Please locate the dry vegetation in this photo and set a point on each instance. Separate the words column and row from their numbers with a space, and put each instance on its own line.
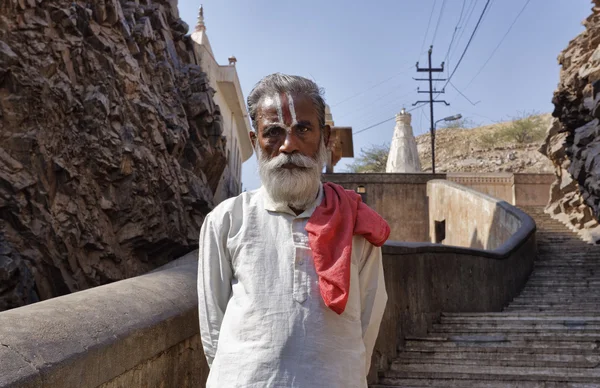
column 509, row 146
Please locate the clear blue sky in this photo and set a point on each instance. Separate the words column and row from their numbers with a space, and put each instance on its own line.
column 351, row 47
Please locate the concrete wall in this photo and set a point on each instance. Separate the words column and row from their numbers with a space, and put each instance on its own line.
column 400, row 198
column 519, row 189
column 499, row 185
column 139, row 332
column 452, row 205
column 424, row 279
column 532, row 189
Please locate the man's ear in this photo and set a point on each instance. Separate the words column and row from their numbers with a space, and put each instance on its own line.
column 253, row 138
column 326, row 134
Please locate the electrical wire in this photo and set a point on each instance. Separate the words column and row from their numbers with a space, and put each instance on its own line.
column 427, row 30
column 454, row 34
column 499, row 44
column 438, row 22
column 373, row 86
column 468, row 44
column 386, row 120
column 451, row 75
column 470, row 10
column 375, row 102
column 462, row 94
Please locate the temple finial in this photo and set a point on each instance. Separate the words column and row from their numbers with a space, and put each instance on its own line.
column 200, row 25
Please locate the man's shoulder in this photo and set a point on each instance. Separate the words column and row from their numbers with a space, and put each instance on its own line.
column 236, row 204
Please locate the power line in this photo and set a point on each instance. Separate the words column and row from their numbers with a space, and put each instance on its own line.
column 454, row 33
column 451, row 75
column 386, row 120
column 438, row 22
column 499, row 44
column 465, row 97
column 394, row 102
column 372, row 87
column 468, row 43
column 470, row 10
column 427, row 30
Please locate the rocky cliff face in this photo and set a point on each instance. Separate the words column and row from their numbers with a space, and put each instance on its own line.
column 573, row 139
column 110, row 143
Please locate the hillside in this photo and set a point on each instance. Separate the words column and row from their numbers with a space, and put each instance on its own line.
column 490, row 148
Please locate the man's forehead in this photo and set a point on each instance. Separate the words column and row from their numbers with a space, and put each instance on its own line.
column 286, row 104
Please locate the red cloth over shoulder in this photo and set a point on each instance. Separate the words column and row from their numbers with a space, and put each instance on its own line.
column 341, row 215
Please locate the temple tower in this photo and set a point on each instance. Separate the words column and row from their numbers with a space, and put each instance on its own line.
column 403, row 156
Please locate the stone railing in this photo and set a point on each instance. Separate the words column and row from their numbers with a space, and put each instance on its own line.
column 490, row 261
column 139, row 332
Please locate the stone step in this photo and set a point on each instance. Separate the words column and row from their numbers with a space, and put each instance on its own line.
column 503, row 317
column 518, row 330
column 517, row 325
column 592, row 291
column 530, row 358
column 567, row 306
column 484, row 372
column 534, row 300
column 470, row 383
column 497, row 342
column 530, row 309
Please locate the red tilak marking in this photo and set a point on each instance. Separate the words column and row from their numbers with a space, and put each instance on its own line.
column 285, row 108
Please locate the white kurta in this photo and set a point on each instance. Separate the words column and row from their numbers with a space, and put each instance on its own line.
column 263, row 322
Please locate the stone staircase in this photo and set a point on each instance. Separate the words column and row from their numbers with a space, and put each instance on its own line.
column 548, row 336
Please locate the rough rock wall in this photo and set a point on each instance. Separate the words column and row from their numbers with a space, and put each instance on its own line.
column 573, row 139
column 110, row 143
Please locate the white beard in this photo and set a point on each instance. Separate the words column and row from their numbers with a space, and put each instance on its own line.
column 296, row 188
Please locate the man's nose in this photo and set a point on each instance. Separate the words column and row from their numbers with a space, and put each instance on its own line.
column 290, row 143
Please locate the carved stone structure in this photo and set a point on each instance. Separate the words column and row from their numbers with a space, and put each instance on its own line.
column 573, row 140
column 111, row 144
column 403, row 156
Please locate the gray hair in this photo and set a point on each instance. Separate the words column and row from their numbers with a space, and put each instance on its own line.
column 282, row 83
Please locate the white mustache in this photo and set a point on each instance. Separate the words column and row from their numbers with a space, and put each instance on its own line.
column 296, row 159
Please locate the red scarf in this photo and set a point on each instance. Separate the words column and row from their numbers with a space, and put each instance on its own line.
column 341, row 215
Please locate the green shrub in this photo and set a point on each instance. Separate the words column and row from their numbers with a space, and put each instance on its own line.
column 489, row 139
column 525, row 128
column 371, row 159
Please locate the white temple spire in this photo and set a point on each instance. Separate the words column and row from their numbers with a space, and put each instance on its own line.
column 200, row 25
column 403, row 156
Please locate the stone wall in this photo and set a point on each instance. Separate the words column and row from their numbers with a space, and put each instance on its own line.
column 400, row 198
column 573, row 139
column 111, row 145
column 139, row 332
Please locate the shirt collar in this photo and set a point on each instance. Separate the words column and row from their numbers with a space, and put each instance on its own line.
column 271, row 205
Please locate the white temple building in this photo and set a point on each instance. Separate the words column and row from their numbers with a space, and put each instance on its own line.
column 230, row 99
column 403, row 156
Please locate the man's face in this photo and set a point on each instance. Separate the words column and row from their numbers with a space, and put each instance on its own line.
column 288, row 123
column 291, row 148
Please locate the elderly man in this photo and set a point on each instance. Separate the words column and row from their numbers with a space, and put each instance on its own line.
column 290, row 279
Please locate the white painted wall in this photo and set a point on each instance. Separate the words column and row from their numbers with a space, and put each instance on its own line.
column 233, row 111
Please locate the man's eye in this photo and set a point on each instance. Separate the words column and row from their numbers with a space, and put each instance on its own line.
column 272, row 132
column 302, row 129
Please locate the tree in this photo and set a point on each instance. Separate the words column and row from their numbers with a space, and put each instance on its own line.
column 524, row 128
column 371, row 159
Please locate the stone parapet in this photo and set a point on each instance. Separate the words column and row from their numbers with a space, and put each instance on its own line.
column 139, row 332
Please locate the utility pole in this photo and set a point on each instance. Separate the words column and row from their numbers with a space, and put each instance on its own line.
column 431, row 70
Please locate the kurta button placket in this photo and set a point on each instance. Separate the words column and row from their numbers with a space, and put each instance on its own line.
column 301, row 252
